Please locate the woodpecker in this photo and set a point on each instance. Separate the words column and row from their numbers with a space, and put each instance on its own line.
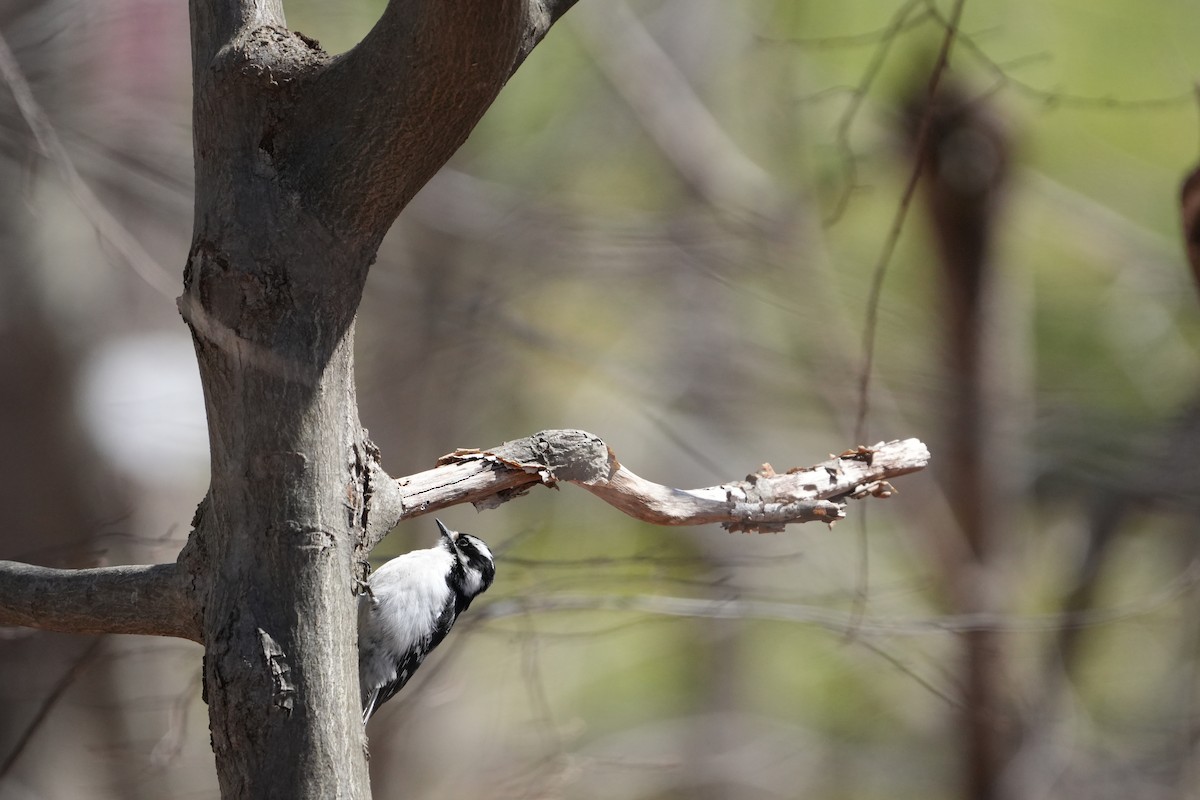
column 410, row 605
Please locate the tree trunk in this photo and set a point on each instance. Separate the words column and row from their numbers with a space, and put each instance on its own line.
column 302, row 164
column 278, row 533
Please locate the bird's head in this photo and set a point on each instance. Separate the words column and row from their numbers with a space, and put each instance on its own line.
column 475, row 568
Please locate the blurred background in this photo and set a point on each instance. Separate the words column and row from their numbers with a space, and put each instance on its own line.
column 683, row 227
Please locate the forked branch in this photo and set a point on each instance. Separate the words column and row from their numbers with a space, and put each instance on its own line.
column 361, row 162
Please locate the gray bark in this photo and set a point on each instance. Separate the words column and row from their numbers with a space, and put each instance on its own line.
column 302, row 163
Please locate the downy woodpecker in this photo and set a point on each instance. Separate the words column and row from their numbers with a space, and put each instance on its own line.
column 411, row 603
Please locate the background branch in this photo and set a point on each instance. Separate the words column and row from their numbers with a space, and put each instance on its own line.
column 48, row 703
column 144, row 599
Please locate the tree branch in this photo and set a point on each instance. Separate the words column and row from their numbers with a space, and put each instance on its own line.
column 764, row 501
column 154, row 600
column 353, row 137
column 363, row 141
column 145, row 599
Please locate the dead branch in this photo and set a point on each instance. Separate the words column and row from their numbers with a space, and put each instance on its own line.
column 155, row 599
column 764, row 501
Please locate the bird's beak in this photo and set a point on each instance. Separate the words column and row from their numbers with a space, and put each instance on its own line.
column 446, row 532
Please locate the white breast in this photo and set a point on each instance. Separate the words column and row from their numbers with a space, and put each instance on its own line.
column 410, row 592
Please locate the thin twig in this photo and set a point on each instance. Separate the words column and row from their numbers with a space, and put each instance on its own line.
column 876, row 290
column 858, row 96
column 840, row 621
column 1053, row 98
column 851, row 40
column 168, row 748
column 49, row 702
column 925, row 683
column 535, row 688
column 893, row 238
column 107, row 226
